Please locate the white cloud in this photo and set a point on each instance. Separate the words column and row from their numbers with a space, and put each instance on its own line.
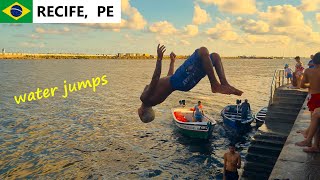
column 191, row 30
column 282, row 16
column 234, row 6
column 32, row 45
column 162, row 28
column 133, row 19
column 222, row 30
column 200, row 16
column 288, row 20
column 252, row 26
column 310, row 5
column 52, row 31
column 185, row 42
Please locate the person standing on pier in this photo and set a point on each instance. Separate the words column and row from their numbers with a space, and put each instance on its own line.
column 311, row 81
column 299, row 71
column 288, row 73
column 232, row 162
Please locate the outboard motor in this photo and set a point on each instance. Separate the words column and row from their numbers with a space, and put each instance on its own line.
column 182, row 103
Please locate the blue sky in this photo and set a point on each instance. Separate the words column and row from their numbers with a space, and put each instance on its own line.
column 229, row 27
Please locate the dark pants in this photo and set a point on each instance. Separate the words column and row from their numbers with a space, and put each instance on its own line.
column 231, row 175
column 244, row 115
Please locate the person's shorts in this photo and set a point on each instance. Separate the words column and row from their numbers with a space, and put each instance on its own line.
column 314, row 102
column 198, row 118
column 189, row 73
column 231, row 175
column 289, row 76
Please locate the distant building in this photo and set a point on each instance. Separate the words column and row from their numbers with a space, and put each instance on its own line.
column 131, row 54
column 3, row 51
column 121, row 54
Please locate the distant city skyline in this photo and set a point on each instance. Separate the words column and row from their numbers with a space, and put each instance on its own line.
column 231, row 28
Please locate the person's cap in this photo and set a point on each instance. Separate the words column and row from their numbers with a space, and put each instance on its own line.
column 287, row 65
column 297, row 57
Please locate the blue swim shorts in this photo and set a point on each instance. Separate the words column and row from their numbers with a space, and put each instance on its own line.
column 289, row 76
column 189, row 73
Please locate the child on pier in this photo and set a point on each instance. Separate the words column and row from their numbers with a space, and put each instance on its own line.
column 288, row 72
column 196, row 67
column 311, row 80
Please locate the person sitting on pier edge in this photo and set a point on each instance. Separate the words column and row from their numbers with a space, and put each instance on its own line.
column 311, row 81
column 245, row 109
column 198, row 112
column 232, row 162
column 187, row 76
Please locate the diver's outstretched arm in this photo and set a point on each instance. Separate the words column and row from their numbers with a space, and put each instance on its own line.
column 156, row 75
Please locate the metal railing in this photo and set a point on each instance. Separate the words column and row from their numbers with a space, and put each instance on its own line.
column 277, row 81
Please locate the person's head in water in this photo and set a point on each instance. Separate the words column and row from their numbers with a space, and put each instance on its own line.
column 199, row 103
column 232, row 148
column 146, row 114
column 316, row 59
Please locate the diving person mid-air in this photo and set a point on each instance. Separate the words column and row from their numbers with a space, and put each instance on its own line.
column 187, row 76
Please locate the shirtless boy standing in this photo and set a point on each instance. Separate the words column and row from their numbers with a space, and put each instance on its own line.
column 196, row 67
column 311, row 80
column 232, row 162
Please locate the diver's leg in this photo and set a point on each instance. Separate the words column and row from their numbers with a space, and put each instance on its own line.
column 221, row 74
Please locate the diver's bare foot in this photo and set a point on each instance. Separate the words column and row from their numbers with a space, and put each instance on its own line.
column 218, row 88
column 304, row 143
column 236, row 91
column 311, row 150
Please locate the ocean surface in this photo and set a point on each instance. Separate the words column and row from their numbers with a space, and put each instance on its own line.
column 98, row 135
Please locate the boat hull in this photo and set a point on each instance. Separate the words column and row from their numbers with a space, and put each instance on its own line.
column 195, row 131
column 201, row 130
column 233, row 120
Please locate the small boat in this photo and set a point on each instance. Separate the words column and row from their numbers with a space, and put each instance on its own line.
column 231, row 115
column 260, row 117
column 183, row 117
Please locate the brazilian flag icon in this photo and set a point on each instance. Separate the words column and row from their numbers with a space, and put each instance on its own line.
column 13, row 11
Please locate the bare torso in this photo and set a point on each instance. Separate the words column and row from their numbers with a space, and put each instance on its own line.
column 231, row 161
column 161, row 92
column 313, row 76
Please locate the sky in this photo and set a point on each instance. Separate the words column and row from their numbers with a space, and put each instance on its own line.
column 228, row 27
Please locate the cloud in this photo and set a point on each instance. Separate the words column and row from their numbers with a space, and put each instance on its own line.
column 310, row 5
column 200, row 16
column 34, row 36
column 282, row 16
column 133, row 19
column 318, row 17
column 234, row 6
column 252, row 26
column 288, row 20
column 223, row 30
column 163, row 28
column 185, row 42
column 266, row 39
column 52, row 31
column 32, row 45
column 191, row 30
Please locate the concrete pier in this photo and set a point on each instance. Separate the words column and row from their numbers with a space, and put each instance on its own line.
column 268, row 142
column 293, row 163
